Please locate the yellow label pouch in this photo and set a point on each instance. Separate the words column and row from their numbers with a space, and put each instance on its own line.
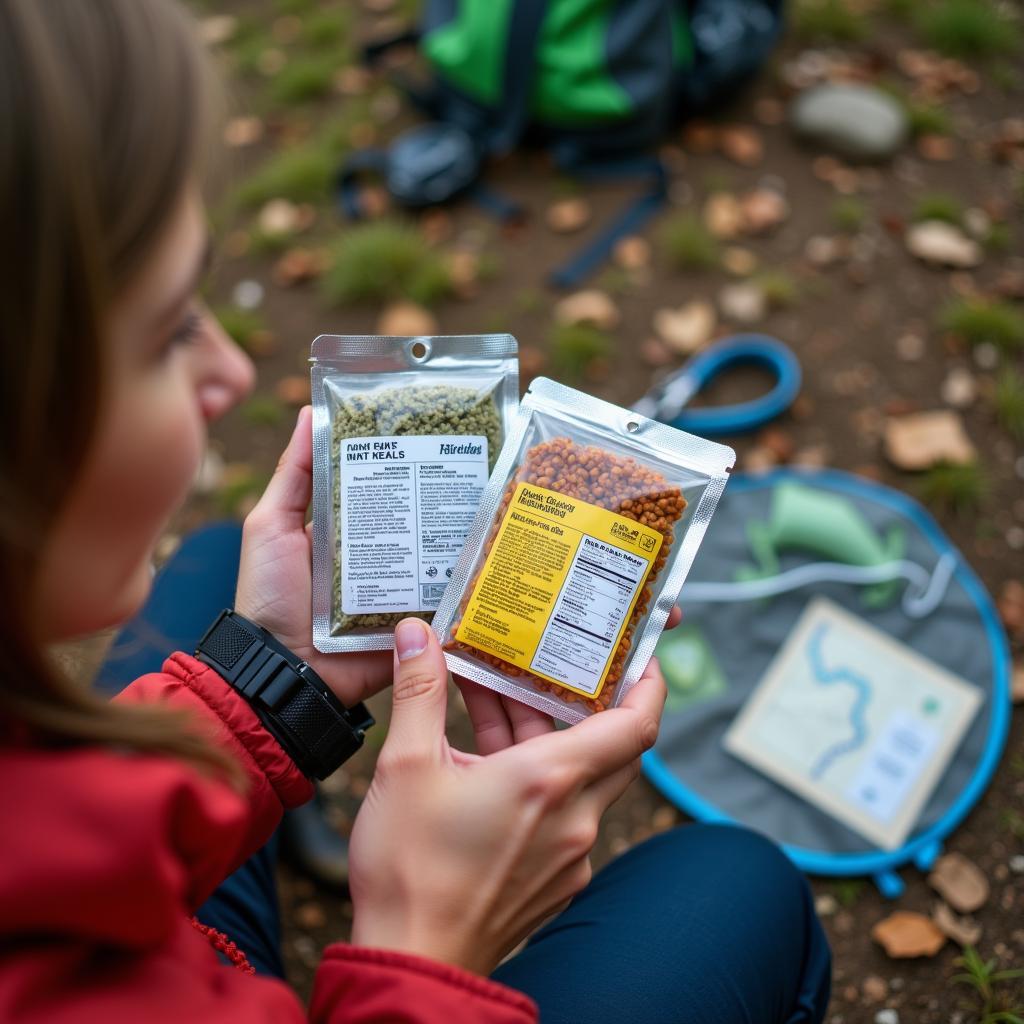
column 558, row 587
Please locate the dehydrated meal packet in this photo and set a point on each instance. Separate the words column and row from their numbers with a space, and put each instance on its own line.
column 405, row 434
column 588, row 526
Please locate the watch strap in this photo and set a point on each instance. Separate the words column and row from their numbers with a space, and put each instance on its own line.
column 292, row 701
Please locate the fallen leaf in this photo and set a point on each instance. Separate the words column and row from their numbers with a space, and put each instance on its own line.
column 906, row 934
column 738, row 262
column 632, row 253
column 723, row 216
column 960, row 882
column 243, row 131
column 568, row 215
column 762, row 210
column 920, row 440
column 743, row 302
column 741, row 144
column 964, row 931
column 293, row 390
column 655, row 353
column 297, row 266
column 283, row 217
column 875, row 989
column 406, row 319
column 687, row 329
column 588, row 307
column 935, row 241
column 937, row 148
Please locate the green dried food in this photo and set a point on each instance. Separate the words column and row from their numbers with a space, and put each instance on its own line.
column 407, row 411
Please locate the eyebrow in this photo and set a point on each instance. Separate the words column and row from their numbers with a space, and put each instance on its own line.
column 201, row 268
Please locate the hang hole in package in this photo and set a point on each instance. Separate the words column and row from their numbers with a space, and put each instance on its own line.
column 586, row 531
column 405, row 434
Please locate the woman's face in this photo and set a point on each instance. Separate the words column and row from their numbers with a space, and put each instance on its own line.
column 170, row 369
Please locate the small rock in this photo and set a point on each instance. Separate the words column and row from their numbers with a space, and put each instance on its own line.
column 935, row 241
column 762, row 210
column 632, row 253
column 959, row 388
column 977, row 222
column 219, row 29
column 588, row 307
column 723, row 215
column 906, row 934
column 243, row 131
column 964, row 931
column 744, row 302
column 875, row 989
column 986, row 355
column 464, row 271
column 280, row 217
column 248, row 295
column 742, row 145
column 823, row 251
column 815, row 456
column 738, row 262
column 759, row 459
column 1017, row 861
column 406, row 320
column 887, row 1016
column 826, row 905
column 960, row 882
column 293, row 390
column 857, row 122
column 910, row 347
column 687, row 329
column 779, row 442
column 663, row 819
column 568, row 215
column 920, row 440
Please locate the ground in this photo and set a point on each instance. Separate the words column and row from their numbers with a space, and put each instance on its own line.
column 879, row 334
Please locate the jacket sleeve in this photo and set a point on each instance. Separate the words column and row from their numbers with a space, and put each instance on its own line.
column 356, row 985
column 274, row 783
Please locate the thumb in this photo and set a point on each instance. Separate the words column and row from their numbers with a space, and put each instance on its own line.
column 420, row 696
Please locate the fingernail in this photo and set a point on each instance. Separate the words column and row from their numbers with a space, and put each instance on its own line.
column 410, row 638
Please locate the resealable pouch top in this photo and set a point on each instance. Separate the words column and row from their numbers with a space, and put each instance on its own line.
column 405, row 433
column 585, row 533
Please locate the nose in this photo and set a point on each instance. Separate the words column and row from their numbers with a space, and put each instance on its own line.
column 227, row 374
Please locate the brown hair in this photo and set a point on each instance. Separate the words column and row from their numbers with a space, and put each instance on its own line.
column 102, row 112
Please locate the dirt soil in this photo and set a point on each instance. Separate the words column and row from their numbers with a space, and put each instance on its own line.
column 844, row 321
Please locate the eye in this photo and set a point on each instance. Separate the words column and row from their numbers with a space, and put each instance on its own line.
column 188, row 330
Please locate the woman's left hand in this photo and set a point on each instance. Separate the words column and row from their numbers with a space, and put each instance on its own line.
column 275, row 585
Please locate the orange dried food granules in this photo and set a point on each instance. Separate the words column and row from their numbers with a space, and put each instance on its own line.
column 599, row 477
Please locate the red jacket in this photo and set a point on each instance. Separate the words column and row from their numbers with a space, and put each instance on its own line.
column 104, row 856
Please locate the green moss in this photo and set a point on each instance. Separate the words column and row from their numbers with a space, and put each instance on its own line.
column 300, row 173
column 262, row 410
column 956, row 488
column 938, row 206
column 828, row 21
column 302, row 80
column 849, row 214
column 688, row 243
column 979, row 320
column 384, row 260
column 241, row 325
column 928, row 119
column 999, row 238
column 574, row 347
column 324, row 29
column 1009, row 400
column 779, row 288
column 967, row 28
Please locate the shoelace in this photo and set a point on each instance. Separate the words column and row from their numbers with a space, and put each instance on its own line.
column 223, row 944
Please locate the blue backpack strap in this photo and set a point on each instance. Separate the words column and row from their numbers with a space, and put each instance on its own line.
column 627, row 222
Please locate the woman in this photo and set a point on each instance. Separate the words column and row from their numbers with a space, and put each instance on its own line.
column 120, row 819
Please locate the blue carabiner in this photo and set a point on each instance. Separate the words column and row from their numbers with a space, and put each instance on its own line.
column 757, row 349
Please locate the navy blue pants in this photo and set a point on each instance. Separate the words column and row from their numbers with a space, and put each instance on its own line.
column 705, row 923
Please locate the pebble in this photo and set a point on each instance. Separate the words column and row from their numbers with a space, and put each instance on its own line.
column 688, row 328
column 744, row 302
column 723, row 216
column 826, row 905
column 1015, row 541
column 935, row 241
column 937, row 148
column 738, row 262
column 874, row 988
column 823, row 251
column 763, row 209
column 568, row 215
column 959, row 389
column 655, row 353
column 283, row 217
column 910, row 347
column 406, row 319
column 219, row 29
column 243, row 131
column 248, row 295
column 590, row 306
column 887, row 1016
column 297, row 266
column 632, row 253
column 856, row 122
column 986, row 355
column 741, row 144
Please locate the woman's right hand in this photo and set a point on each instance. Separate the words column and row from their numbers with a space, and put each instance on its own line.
column 458, row 857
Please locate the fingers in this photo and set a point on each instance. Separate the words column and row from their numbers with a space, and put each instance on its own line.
column 608, row 741
column 606, row 791
column 287, row 495
column 491, row 726
column 674, row 617
column 420, row 694
column 526, row 722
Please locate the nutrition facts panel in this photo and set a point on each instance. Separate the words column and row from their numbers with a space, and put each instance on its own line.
column 583, row 629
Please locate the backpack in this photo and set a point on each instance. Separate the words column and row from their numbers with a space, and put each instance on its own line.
column 597, row 83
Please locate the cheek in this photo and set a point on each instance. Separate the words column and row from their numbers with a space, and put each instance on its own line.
column 97, row 568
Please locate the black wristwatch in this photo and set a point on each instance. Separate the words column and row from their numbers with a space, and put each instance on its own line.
column 315, row 729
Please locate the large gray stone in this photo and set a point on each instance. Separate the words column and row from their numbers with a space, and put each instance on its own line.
column 856, row 122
